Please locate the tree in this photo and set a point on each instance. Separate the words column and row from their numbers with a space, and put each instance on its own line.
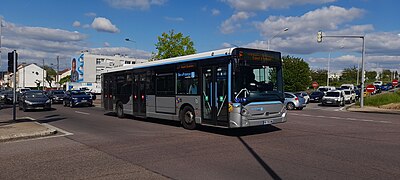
column 349, row 75
column 319, row 76
column 386, row 75
column 296, row 74
column 370, row 76
column 65, row 79
column 50, row 74
column 172, row 45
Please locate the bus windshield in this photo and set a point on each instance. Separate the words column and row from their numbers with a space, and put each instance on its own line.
column 257, row 83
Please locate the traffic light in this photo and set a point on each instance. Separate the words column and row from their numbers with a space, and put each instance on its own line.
column 11, row 61
column 319, row 36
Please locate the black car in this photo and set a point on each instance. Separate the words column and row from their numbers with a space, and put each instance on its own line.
column 34, row 99
column 6, row 97
column 316, row 96
column 56, row 96
column 74, row 98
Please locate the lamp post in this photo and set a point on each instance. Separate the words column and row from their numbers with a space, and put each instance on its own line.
column 270, row 39
column 327, row 78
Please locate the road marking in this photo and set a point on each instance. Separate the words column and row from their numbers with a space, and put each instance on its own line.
column 344, row 118
column 79, row 112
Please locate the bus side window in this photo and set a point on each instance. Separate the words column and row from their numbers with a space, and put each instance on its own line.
column 187, row 82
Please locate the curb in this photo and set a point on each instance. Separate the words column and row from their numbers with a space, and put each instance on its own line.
column 373, row 110
column 19, row 136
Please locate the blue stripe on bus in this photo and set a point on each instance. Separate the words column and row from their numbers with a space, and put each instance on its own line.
column 265, row 103
column 180, row 61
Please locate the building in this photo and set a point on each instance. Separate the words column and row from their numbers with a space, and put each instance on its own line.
column 86, row 69
column 29, row 76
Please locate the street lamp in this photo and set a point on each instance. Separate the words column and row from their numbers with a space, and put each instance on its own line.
column 270, row 39
column 129, row 40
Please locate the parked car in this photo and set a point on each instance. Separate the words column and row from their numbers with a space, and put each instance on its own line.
column 76, row 97
column 333, row 97
column 305, row 96
column 34, row 99
column 349, row 96
column 358, row 93
column 56, row 96
column 379, row 83
column 7, row 96
column 292, row 101
column 316, row 96
column 347, row 86
column 377, row 89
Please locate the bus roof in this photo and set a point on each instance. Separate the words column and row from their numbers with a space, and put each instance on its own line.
column 192, row 57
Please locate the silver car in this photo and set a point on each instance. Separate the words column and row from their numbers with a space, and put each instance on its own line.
column 292, row 101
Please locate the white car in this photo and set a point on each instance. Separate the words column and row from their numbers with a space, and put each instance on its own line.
column 333, row 97
column 349, row 96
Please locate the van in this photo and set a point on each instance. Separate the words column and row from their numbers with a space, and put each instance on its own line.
column 379, row 83
column 326, row 88
column 347, row 86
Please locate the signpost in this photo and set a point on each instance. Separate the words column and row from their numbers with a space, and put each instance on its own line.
column 371, row 88
column 315, row 85
column 395, row 82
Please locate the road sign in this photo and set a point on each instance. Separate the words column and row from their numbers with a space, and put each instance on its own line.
column 315, row 84
column 395, row 82
column 370, row 88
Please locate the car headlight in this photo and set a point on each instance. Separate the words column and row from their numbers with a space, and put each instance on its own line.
column 48, row 101
column 28, row 102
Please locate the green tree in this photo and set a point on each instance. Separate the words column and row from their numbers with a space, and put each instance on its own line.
column 296, row 74
column 370, row 76
column 349, row 75
column 319, row 76
column 172, row 45
column 50, row 74
column 65, row 79
column 386, row 75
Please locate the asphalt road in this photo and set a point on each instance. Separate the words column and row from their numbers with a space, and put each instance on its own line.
column 316, row 143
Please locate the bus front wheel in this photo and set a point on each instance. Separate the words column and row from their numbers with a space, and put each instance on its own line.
column 187, row 118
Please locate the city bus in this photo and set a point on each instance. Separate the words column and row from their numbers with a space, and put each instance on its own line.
column 231, row 88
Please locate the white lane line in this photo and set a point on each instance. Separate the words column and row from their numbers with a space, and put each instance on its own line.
column 79, row 112
column 344, row 118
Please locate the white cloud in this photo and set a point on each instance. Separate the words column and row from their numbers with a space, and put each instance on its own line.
column 102, row 24
column 135, row 4
column 215, row 12
column 76, row 24
column 234, row 22
column 135, row 53
column 174, row 18
column 257, row 5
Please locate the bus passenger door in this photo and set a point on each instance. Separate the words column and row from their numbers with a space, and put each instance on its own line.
column 139, row 95
column 214, row 95
column 107, row 94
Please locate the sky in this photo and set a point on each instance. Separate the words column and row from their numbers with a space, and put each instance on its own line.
column 45, row 29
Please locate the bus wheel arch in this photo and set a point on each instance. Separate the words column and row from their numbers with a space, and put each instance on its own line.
column 187, row 117
column 119, row 109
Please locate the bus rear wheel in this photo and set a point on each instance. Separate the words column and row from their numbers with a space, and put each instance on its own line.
column 187, row 118
column 120, row 110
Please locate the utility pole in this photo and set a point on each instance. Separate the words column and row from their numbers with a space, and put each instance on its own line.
column 58, row 71
column 1, row 26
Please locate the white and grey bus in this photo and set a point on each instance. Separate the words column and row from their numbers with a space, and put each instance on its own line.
column 233, row 87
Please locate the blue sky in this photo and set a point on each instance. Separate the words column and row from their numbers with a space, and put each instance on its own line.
column 45, row 29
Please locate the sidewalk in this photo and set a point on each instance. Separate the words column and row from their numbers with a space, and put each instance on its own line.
column 371, row 109
column 22, row 128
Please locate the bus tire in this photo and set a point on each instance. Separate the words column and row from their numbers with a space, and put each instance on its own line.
column 120, row 109
column 187, row 118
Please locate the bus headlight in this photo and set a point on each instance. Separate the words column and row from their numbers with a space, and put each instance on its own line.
column 245, row 112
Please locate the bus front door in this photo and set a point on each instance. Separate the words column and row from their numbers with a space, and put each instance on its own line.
column 214, row 95
column 139, row 95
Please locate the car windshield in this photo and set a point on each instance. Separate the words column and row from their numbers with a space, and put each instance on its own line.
column 58, row 92
column 259, row 82
column 315, row 93
column 35, row 94
column 323, row 89
column 345, row 87
column 332, row 94
column 347, row 92
column 78, row 93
